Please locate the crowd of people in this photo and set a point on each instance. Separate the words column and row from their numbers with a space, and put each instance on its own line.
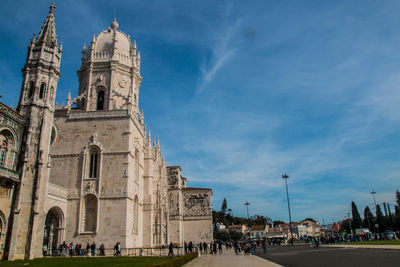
column 70, row 249
column 214, row 248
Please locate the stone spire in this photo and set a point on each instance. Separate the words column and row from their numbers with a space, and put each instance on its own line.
column 47, row 35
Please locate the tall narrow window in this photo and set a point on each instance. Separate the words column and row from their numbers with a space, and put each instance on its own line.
column 90, row 213
column 3, row 154
column 51, row 94
column 93, row 166
column 100, row 100
column 41, row 90
column 31, row 88
column 135, row 214
column 136, row 165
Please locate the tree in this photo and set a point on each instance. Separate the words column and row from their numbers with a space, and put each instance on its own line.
column 224, row 206
column 397, row 211
column 398, row 197
column 236, row 235
column 368, row 219
column 345, row 226
column 221, row 235
column 380, row 220
column 397, row 208
column 356, row 223
column 276, row 223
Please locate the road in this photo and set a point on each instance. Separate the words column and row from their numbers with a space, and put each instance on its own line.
column 304, row 255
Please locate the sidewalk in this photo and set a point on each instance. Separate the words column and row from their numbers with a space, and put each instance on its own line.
column 364, row 246
column 228, row 258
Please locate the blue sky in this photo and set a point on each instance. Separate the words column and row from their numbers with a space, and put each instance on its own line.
column 243, row 91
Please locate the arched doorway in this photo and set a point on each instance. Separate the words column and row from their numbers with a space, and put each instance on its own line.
column 53, row 228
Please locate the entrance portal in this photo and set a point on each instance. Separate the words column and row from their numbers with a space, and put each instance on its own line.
column 53, row 229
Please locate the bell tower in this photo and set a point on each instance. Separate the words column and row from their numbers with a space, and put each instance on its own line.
column 36, row 104
column 109, row 77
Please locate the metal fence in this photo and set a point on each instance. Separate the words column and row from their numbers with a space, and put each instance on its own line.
column 177, row 251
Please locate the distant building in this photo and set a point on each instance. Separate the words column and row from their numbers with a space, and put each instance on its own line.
column 274, row 232
column 220, row 227
column 238, row 228
column 313, row 227
column 258, row 231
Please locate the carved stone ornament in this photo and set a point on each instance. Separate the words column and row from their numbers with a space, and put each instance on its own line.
column 197, row 205
column 73, row 195
column 90, row 187
column 122, row 83
column 93, row 138
column 113, row 193
column 101, row 80
column 11, row 113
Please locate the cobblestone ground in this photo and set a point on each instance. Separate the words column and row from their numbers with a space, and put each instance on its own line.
column 228, row 258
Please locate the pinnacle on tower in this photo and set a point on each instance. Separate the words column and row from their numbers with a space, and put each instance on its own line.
column 114, row 24
column 47, row 35
column 69, row 95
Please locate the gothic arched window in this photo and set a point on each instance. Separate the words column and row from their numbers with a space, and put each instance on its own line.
column 31, row 88
column 100, row 100
column 41, row 90
column 137, row 165
column 51, row 94
column 94, row 163
column 90, row 213
column 3, row 153
column 52, row 136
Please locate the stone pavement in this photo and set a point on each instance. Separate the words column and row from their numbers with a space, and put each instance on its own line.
column 228, row 258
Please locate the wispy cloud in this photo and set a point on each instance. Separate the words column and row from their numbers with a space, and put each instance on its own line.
column 225, row 42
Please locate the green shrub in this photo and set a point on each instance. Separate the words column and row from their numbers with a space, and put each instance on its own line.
column 176, row 261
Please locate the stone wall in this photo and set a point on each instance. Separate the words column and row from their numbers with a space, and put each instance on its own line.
column 197, row 215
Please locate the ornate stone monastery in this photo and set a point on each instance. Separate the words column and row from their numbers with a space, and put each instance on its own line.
column 88, row 171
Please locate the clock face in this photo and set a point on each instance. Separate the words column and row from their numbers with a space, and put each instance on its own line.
column 122, row 83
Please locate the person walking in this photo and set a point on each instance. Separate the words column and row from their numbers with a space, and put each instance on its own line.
column 93, row 249
column 235, row 247
column 220, row 248
column 118, row 249
column 264, row 246
column 190, row 247
column 87, row 249
column 101, row 250
column 44, row 250
column 171, row 250
column 205, row 248
column 185, row 246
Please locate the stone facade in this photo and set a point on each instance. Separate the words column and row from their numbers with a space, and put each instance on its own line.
column 89, row 170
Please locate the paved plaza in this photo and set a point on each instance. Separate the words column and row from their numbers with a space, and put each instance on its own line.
column 304, row 256
column 228, row 258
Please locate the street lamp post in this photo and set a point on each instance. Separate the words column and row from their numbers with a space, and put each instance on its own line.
column 373, row 193
column 375, row 226
column 285, row 177
column 248, row 220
